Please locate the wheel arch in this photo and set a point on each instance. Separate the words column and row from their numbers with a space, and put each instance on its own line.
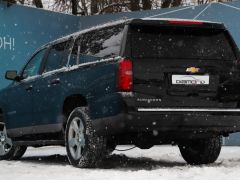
column 71, row 102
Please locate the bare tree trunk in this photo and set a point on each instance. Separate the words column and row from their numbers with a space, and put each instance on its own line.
column 114, row 7
column 84, row 7
column 74, row 7
column 94, row 7
column 135, row 5
column 176, row 3
column 147, row 4
column 166, row 3
column 38, row 3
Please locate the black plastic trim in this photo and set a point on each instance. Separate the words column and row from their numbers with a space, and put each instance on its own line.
column 41, row 129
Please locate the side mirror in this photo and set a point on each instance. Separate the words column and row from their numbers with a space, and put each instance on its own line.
column 12, row 75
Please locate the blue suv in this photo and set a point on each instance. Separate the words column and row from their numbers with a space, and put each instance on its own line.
column 142, row 81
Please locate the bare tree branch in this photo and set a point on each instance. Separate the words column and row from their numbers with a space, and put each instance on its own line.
column 113, row 5
column 90, row 7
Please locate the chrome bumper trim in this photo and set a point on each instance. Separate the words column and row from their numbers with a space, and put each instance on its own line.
column 185, row 110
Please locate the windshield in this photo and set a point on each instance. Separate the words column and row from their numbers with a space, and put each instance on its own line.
column 180, row 43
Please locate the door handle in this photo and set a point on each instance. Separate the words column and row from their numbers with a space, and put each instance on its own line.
column 29, row 88
column 55, row 81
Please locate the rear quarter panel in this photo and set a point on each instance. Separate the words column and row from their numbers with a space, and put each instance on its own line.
column 97, row 83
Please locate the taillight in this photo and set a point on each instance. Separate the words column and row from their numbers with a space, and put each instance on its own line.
column 125, row 79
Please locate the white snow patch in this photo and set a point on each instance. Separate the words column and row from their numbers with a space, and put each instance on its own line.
column 74, row 67
column 159, row 162
column 76, row 34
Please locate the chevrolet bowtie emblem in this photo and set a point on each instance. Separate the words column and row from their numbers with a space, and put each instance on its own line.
column 192, row 70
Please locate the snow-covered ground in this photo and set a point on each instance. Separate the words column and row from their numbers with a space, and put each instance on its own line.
column 157, row 163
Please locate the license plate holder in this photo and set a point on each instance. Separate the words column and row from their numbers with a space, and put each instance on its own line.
column 190, row 80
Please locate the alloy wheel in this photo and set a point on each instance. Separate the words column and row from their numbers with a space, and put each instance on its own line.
column 5, row 142
column 76, row 138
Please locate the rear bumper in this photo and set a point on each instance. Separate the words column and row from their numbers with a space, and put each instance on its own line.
column 171, row 120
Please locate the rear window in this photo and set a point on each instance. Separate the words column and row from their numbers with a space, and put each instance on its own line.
column 180, row 43
column 102, row 43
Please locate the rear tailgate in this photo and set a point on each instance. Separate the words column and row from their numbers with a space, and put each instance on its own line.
column 182, row 67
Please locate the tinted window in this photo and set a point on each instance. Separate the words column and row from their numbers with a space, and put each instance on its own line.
column 180, row 43
column 102, row 43
column 32, row 68
column 56, row 57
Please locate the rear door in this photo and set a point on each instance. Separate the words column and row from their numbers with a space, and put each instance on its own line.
column 180, row 66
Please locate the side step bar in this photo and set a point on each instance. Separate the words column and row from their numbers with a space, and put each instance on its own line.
column 40, row 143
column 185, row 110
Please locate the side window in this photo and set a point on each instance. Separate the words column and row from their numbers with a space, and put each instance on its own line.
column 102, row 43
column 77, row 57
column 33, row 66
column 95, row 45
column 56, row 57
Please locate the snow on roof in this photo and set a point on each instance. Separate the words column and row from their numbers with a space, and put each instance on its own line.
column 112, row 23
column 177, row 19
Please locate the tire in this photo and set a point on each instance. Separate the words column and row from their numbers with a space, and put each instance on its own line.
column 84, row 148
column 9, row 151
column 201, row 151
